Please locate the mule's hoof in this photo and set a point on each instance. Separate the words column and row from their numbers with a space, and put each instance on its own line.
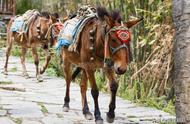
column 42, row 71
column 99, row 121
column 109, row 119
column 65, row 108
column 5, row 72
column 39, row 78
column 88, row 116
column 25, row 75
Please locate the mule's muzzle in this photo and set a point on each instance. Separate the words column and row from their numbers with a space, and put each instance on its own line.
column 119, row 70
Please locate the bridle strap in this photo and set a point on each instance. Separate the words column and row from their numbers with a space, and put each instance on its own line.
column 114, row 50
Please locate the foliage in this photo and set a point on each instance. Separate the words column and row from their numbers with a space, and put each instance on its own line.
column 55, row 66
column 24, row 5
column 5, row 82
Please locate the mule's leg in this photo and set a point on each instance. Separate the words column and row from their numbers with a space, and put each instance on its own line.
column 8, row 49
column 48, row 57
column 22, row 57
column 83, row 87
column 36, row 62
column 113, row 85
column 67, row 72
column 75, row 73
column 95, row 94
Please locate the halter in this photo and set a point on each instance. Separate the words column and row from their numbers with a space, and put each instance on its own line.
column 123, row 35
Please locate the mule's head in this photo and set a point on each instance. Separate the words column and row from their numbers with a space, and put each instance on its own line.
column 44, row 21
column 117, row 37
column 54, row 32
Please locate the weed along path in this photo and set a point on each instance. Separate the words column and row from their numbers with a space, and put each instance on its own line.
column 24, row 101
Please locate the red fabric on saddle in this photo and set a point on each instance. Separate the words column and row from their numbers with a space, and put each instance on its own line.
column 123, row 35
column 58, row 26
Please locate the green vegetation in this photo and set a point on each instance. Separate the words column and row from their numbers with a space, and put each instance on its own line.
column 2, row 43
column 43, row 108
column 5, row 82
column 55, row 66
column 59, row 115
column 14, row 69
column 16, row 120
column 24, row 5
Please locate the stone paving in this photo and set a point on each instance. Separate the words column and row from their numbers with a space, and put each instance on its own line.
column 41, row 103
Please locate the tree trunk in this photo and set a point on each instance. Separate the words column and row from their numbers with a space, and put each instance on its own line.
column 181, row 75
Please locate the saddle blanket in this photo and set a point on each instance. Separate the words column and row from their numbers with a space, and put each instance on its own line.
column 69, row 35
column 66, row 35
column 17, row 24
column 21, row 23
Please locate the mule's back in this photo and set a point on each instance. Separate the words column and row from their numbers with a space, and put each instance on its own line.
column 21, row 23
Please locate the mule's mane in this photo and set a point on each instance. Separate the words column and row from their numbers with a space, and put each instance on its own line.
column 115, row 15
column 45, row 14
column 101, row 11
column 56, row 15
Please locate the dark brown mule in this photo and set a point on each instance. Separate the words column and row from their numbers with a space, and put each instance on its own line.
column 99, row 48
column 34, row 37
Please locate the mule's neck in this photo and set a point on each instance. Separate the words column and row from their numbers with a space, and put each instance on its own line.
column 100, row 40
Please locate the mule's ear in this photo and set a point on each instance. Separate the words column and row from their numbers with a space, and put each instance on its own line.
column 65, row 18
column 103, row 15
column 130, row 24
column 54, row 17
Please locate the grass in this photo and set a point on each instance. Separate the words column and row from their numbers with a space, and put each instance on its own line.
column 16, row 120
column 51, row 72
column 43, row 108
column 59, row 115
column 14, row 69
column 2, row 43
column 5, row 82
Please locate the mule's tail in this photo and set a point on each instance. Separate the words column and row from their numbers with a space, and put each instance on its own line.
column 75, row 73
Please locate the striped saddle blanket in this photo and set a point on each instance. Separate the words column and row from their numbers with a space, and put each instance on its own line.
column 21, row 23
column 69, row 35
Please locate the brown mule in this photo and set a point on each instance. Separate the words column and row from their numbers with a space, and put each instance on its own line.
column 103, row 43
column 34, row 37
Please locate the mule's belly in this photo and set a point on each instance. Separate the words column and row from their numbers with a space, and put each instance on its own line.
column 75, row 58
column 21, row 40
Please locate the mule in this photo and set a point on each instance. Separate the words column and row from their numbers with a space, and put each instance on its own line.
column 34, row 37
column 103, row 43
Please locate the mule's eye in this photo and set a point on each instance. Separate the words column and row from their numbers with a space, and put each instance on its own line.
column 113, row 40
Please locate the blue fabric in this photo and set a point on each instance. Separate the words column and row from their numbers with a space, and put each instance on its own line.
column 62, row 42
column 70, row 31
column 17, row 24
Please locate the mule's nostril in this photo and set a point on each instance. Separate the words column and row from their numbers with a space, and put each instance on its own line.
column 120, row 70
column 38, row 29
